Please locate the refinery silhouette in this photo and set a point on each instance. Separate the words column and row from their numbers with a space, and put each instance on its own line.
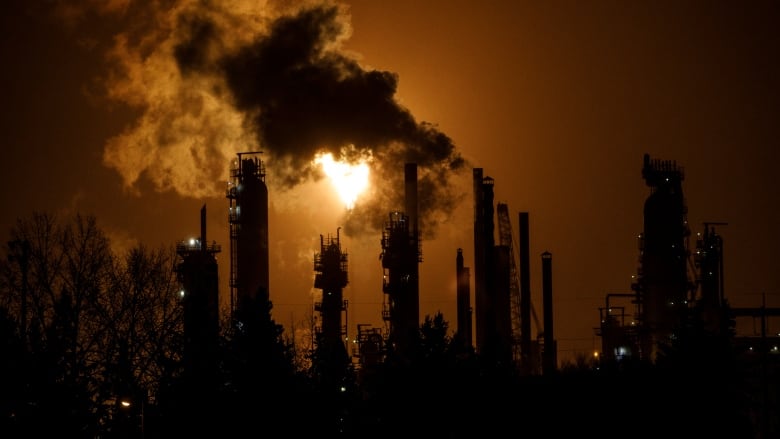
column 669, row 342
column 677, row 287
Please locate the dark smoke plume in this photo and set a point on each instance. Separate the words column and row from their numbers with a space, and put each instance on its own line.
column 302, row 96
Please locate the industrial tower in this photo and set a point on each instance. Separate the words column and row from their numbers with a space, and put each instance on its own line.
column 484, row 242
column 662, row 293
column 525, row 352
column 662, row 284
column 492, row 283
column 463, row 297
column 330, row 266
column 248, row 218
column 505, row 239
column 401, row 255
column 198, row 274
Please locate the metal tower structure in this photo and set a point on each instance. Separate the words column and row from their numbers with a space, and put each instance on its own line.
column 523, row 351
column 198, row 274
column 330, row 266
column 331, row 359
column 505, row 239
column 401, row 256
column 484, row 242
column 248, row 218
column 708, row 261
column 662, row 284
column 401, row 307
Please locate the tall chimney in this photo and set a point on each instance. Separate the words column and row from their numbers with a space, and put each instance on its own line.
column 463, row 301
column 410, row 194
column 480, row 255
column 525, row 293
column 550, row 359
column 203, row 228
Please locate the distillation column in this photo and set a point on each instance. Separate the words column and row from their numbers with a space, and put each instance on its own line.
column 330, row 265
column 199, row 276
column 663, row 282
column 248, row 218
column 401, row 255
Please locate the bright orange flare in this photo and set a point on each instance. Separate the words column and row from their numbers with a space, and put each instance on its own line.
column 349, row 179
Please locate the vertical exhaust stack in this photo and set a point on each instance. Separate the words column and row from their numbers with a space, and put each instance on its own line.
column 479, row 255
column 463, row 301
column 550, row 357
column 484, row 243
column 410, row 195
column 525, row 293
column 412, row 206
column 203, row 228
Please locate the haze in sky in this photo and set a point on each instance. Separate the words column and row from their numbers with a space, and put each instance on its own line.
column 133, row 112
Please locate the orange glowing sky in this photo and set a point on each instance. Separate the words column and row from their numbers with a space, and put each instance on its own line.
column 557, row 101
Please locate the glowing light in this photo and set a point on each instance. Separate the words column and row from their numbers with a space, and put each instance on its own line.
column 349, row 179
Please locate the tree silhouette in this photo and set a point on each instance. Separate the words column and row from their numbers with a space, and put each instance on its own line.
column 84, row 330
column 142, row 333
column 261, row 382
column 79, row 313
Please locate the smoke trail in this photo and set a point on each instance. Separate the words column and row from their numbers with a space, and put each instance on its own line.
column 304, row 95
column 214, row 78
column 186, row 132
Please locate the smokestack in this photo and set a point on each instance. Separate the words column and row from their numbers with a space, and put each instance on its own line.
column 484, row 242
column 479, row 253
column 550, row 359
column 463, row 301
column 410, row 192
column 203, row 228
column 499, row 308
column 525, row 292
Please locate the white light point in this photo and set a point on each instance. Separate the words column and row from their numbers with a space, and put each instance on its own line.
column 349, row 179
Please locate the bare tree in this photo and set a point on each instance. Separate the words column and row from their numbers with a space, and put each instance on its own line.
column 51, row 276
column 140, row 321
column 93, row 327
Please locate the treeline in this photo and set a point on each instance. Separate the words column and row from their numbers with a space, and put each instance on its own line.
column 92, row 347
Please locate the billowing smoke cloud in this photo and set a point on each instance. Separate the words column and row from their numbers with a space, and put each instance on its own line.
column 214, row 78
column 187, row 132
